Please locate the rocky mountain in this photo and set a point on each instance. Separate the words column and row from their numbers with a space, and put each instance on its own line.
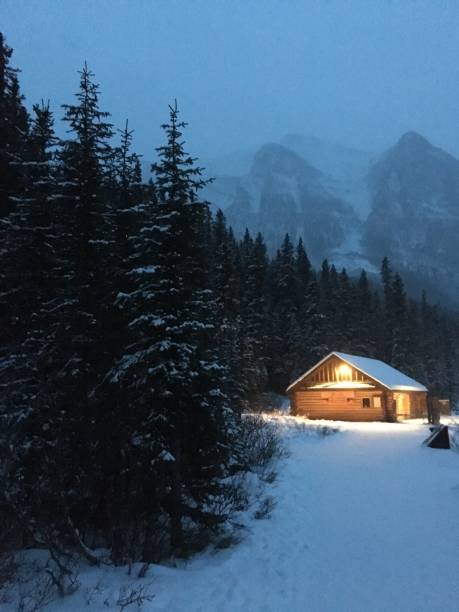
column 344, row 169
column 282, row 193
column 414, row 216
column 350, row 206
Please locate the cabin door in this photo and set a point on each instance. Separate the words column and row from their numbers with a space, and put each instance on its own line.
column 402, row 406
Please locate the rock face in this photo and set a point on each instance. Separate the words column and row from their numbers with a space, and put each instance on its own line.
column 415, row 211
column 354, row 208
column 344, row 170
column 282, row 194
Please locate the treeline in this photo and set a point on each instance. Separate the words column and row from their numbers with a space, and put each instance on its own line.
column 117, row 425
column 286, row 316
column 136, row 329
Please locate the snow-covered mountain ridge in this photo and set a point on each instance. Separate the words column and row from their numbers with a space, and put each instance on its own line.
column 351, row 206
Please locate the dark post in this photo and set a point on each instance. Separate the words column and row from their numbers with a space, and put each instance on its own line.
column 433, row 412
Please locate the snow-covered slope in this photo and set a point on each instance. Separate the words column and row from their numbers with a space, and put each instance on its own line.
column 366, row 521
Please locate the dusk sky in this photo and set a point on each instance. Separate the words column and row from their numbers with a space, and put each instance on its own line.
column 245, row 72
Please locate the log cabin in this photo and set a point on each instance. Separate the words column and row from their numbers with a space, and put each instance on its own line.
column 352, row 388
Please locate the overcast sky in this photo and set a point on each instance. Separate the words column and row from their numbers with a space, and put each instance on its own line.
column 248, row 71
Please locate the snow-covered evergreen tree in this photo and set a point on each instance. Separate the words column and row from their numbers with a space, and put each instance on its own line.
column 254, row 301
column 14, row 127
column 60, row 464
column 284, row 333
column 13, row 130
column 31, row 240
column 171, row 367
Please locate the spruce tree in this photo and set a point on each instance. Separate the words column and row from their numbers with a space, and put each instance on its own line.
column 367, row 318
column 13, row 131
column 399, row 324
column 311, row 327
column 16, row 369
column 227, row 282
column 254, row 319
column 303, row 272
column 284, row 334
column 345, row 307
column 387, row 328
column 61, row 468
column 186, row 422
column 14, row 127
column 327, row 306
column 31, row 239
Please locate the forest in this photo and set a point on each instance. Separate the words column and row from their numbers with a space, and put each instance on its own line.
column 137, row 330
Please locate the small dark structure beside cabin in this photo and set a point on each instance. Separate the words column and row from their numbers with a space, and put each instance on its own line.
column 439, row 438
column 352, row 388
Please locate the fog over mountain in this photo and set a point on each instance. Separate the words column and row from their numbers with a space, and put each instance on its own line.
column 360, row 73
column 351, row 206
column 261, row 80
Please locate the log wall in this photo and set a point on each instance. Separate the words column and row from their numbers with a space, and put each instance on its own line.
column 339, row 405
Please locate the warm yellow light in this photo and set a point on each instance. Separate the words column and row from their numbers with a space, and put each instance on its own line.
column 344, row 372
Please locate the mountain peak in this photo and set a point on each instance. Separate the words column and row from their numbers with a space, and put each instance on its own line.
column 413, row 139
column 275, row 158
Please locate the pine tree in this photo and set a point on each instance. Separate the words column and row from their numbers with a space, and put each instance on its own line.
column 387, row 328
column 398, row 319
column 246, row 249
column 186, row 422
column 285, row 345
column 367, row 318
column 14, row 127
column 13, row 131
column 16, row 377
column 126, row 198
column 226, row 282
column 303, row 272
column 128, row 171
column 312, row 327
column 345, row 307
column 254, row 319
column 83, row 180
column 31, row 237
column 328, row 304
column 61, row 467
column 226, row 269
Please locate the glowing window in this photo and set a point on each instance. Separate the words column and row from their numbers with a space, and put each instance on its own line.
column 344, row 372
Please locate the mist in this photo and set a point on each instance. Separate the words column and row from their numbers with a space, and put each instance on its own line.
column 359, row 73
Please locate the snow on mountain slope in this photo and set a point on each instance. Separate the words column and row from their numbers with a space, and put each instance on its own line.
column 345, row 170
column 366, row 521
column 350, row 206
column 282, row 194
column 303, row 186
column 353, row 207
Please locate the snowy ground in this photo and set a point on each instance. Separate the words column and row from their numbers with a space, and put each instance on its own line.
column 367, row 520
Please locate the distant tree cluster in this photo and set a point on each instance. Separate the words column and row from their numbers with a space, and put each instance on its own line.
column 284, row 316
column 136, row 329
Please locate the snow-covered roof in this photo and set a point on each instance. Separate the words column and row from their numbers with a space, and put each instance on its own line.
column 379, row 371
